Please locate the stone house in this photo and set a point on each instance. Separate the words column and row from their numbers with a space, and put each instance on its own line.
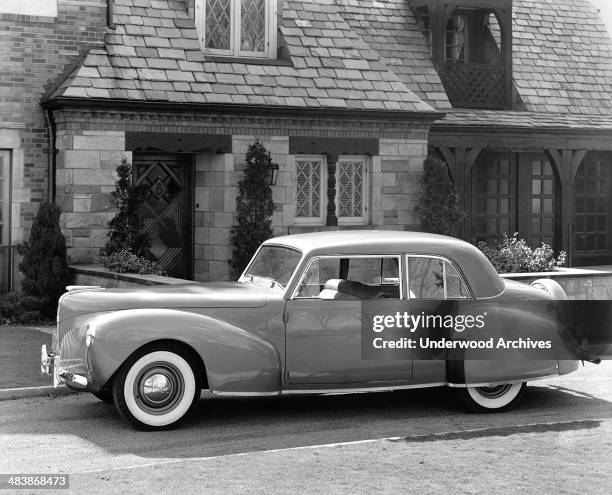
column 348, row 95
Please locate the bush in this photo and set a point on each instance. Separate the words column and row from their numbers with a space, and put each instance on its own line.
column 17, row 308
column 125, row 261
column 126, row 233
column 513, row 255
column 44, row 264
column 439, row 204
column 254, row 208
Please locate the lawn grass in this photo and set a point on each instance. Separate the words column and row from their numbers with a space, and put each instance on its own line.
column 20, row 357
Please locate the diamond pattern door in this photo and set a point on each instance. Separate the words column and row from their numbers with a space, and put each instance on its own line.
column 167, row 210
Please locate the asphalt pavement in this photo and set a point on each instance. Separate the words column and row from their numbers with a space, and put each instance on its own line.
column 559, row 440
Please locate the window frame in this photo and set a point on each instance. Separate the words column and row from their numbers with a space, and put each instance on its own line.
column 365, row 191
column 443, row 259
column 270, row 28
column 401, row 267
column 453, row 46
column 320, row 220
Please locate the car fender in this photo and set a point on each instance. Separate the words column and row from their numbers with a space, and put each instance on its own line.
column 510, row 318
column 236, row 360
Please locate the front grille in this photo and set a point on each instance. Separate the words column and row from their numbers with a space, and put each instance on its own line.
column 72, row 352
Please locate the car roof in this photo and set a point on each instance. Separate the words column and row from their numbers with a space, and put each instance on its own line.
column 478, row 271
column 364, row 240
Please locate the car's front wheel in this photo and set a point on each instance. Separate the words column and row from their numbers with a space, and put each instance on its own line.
column 156, row 388
column 492, row 399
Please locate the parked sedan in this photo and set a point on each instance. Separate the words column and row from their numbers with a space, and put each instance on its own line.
column 291, row 324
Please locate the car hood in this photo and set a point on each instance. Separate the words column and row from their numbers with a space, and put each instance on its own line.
column 211, row 295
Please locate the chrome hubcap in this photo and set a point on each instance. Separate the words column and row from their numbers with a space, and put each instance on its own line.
column 157, row 388
column 494, row 392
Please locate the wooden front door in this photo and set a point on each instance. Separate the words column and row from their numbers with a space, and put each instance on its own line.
column 593, row 211
column 167, row 209
column 493, row 196
column 539, row 203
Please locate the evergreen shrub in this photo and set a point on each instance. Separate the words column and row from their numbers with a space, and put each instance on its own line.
column 254, row 207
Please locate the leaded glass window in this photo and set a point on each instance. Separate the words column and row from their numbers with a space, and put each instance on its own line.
column 309, row 189
column 218, row 24
column 350, row 180
column 242, row 28
column 253, row 25
column 312, row 182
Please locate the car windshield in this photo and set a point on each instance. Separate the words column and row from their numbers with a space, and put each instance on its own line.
column 275, row 263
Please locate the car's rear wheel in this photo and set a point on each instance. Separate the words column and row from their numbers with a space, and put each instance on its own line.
column 492, row 399
column 157, row 387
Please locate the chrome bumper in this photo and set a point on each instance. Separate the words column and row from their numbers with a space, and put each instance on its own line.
column 47, row 361
column 48, row 367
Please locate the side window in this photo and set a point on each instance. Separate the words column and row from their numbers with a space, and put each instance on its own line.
column 336, row 277
column 434, row 278
column 455, row 288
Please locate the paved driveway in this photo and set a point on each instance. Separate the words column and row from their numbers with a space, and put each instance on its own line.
column 558, row 440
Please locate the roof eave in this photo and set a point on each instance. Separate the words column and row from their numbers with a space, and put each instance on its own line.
column 504, row 129
column 63, row 102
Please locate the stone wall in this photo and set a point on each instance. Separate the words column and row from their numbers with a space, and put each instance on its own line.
column 578, row 283
column 85, row 178
column 401, row 170
column 394, row 191
column 91, row 144
column 96, row 275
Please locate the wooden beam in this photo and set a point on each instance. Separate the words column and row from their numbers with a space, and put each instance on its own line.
column 471, row 156
column 577, row 158
column 449, row 156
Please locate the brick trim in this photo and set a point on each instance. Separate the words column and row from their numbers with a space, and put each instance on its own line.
column 194, row 123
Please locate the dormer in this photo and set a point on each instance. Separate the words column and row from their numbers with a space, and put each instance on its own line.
column 471, row 47
column 238, row 28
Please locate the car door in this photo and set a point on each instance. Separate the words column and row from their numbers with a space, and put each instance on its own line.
column 435, row 286
column 323, row 321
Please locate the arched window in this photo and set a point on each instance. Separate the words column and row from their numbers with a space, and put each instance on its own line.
column 237, row 28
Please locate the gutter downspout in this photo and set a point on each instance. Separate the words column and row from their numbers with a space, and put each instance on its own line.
column 52, row 153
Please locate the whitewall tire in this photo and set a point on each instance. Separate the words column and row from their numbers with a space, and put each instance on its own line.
column 156, row 388
column 492, row 399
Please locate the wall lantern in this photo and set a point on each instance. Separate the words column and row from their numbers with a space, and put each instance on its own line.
column 272, row 173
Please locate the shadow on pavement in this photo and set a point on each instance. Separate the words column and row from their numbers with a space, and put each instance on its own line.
column 503, row 431
column 221, row 426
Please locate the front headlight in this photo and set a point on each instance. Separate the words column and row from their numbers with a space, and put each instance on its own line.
column 90, row 334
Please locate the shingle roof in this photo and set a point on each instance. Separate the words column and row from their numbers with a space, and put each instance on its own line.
column 390, row 28
column 154, row 55
column 352, row 54
column 562, row 57
column 525, row 120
